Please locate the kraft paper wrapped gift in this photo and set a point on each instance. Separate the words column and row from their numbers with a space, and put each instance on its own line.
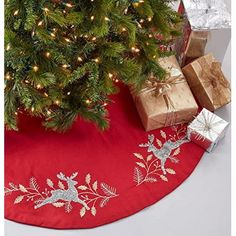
column 168, row 102
column 206, row 23
column 208, row 82
column 207, row 129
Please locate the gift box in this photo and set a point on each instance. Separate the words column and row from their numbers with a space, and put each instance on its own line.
column 207, row 129
column 208, row 82
column 168, row 102
column 204, row 23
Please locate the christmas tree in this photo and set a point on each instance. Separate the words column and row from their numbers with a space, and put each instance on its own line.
column 64, row 58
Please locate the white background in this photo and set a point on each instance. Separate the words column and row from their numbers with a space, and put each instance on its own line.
column 199, row 207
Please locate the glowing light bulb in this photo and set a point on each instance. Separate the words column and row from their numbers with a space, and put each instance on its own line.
column 116, row 80
column 8, row 47
column 141, row 20
column 49, row 112
column 67, row 40
column 92, row 17
column 32, row 109
column 27, row 81
column 88, row 101
column 65, row 66
column 97, row 60
column 47, row 54
column 16, row 12
column 35, row 68
column 105, row 104
column 68, row 93
column 69, row 5
column 46, row 9
column 38, row 86
column 40, row 23
column 45, row 94
column 154, row 56
column 80, row 59
column 149, row 18
column 8, row 77
column 124, row 29
column 94, row 38
column 53, row 35
column 106, row 18
column 57, row 102
column 110, row 75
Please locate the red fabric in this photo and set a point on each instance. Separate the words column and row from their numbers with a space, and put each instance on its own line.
column 107, row 156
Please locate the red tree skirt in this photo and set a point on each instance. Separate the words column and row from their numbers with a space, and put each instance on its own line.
column 86, row 178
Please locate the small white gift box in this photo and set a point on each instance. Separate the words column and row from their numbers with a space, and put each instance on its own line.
column 207, row 129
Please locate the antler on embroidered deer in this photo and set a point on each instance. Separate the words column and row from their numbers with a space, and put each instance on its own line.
column 165, row 151
column 68, row 195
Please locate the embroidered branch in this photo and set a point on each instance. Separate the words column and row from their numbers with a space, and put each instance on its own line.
column 91, row 195
column 60, row 196
column 152, row 168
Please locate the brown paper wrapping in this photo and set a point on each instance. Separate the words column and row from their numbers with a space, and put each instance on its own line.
column 168, row 103
column 208, row 82
column 196, row 44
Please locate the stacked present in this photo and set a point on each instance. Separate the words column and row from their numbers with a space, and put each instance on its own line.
column 204, row 22
column 172, row 101
column 168, row 102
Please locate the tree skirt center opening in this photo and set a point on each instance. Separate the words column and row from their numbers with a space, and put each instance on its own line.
column 86, row 178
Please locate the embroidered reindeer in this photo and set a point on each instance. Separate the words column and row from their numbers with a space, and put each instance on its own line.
column 68, row 195
column 165, row 151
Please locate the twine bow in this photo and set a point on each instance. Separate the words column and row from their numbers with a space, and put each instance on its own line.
column 214, row 79
column 161, row 88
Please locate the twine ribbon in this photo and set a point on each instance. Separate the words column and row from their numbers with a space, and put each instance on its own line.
column 161, row 88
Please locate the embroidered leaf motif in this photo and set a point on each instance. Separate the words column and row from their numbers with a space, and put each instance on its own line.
column 68, row 207
column 88, row 178
column 176, row 152
column 61, row 185
column 109, row 191
column 159, row 143
column 58, row 204
column 170, row 171
column 149, row 157
column 93, row 211
column 139, row 156
column 103, row 202
column 7, row 191
column 140, row 164
column 138, row 176
column 82, row 187
column 50, row 183
column 164, row 178
column 22, row 188
column 163, row 134
column 82, row 211
column 95, row 186
column 33, row 184
column 13, row 185
column 18, row 199
column 151, row 180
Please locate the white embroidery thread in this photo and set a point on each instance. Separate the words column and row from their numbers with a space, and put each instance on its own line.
column 153, row 168
column 88, row 196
